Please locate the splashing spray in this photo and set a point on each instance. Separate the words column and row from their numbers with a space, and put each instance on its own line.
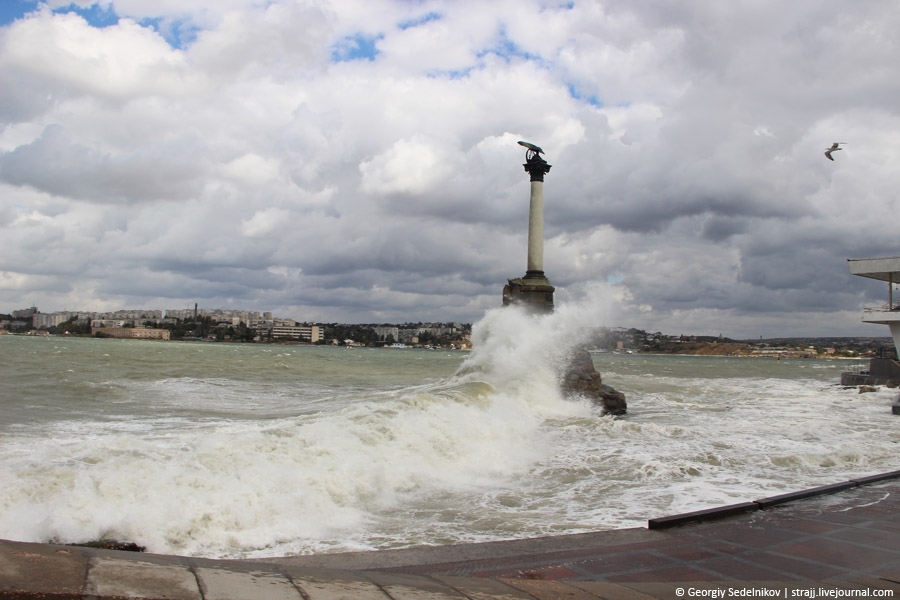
column 515, row 350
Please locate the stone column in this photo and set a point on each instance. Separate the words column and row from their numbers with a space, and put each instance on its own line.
column 536, row 167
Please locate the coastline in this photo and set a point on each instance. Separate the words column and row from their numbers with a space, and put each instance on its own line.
column 703, row 349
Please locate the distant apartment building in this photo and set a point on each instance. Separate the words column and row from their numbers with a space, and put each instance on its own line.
column 263, row 326
column 133, row 315
column 219, row 315
column 46, row 321
column 134, row 333
column 309, row 333
column 408, row 336
column 411, row 335
column 384, row 333
column 25, row 313
column 181, row 313
column 96, row 323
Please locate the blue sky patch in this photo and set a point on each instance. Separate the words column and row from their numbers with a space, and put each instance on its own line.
column 358, row 46
column 10, row 10
column 450, row 73
column 591, row 99
column 432, row 16
column 96, row 15
column 508, row 49
column 178, row 34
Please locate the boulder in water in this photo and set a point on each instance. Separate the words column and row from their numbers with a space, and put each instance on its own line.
column 580, row 377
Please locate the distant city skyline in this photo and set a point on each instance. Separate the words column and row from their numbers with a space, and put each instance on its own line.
column 358, row 162
column 182, row 313
column 382, row 326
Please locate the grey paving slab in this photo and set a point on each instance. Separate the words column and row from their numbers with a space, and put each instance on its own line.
column 551, row 590
column 479, row 588
column 413, row 587
column 336, row 586
column 128, row 578
column 663, row 591
column 610, row 591
column 42, row 569
column 222, row 584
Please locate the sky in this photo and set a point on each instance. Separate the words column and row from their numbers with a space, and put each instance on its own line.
column 356, row 160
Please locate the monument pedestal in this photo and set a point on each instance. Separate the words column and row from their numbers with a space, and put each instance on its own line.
column 532, row 292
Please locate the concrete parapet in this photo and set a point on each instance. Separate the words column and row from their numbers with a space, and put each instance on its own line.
column 702, row 515
column 817, row 491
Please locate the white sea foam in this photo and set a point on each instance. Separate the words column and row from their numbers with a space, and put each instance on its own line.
column 523, row 354
column 224, row 488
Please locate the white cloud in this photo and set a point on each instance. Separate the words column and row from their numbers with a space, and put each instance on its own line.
column 409, row 166
column 266, row 222
column 60, row 56
column 252, row 170
column 278, row 40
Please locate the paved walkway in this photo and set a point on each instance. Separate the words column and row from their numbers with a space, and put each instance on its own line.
column 846, row 542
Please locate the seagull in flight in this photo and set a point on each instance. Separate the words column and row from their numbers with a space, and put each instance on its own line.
column 834, row 148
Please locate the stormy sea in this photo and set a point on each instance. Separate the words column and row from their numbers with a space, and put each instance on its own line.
column 255, row 450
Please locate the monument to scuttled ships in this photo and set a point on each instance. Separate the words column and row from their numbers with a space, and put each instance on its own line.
column 534, row 294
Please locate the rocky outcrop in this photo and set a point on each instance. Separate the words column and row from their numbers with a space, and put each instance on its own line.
column 581, row 378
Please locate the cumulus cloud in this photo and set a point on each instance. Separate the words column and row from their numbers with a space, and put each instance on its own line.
column 356, row 160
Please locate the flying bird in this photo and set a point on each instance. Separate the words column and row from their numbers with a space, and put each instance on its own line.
column 834, row 148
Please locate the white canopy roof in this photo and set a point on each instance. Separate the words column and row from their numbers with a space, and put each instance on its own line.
column 884, row 269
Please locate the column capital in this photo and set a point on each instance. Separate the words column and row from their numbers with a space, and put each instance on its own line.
column 537, row 167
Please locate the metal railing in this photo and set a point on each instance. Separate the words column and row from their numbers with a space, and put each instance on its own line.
column 886, row 307
column 859, row 368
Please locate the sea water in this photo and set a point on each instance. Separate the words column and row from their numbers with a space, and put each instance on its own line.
column 252, row 450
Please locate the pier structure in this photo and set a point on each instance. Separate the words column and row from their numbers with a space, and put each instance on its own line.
column 883, row 370
column 533, row 291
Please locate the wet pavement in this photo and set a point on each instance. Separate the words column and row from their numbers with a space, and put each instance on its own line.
column 834, row 541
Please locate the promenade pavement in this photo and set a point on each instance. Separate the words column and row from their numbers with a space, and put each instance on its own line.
column 835, row 541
